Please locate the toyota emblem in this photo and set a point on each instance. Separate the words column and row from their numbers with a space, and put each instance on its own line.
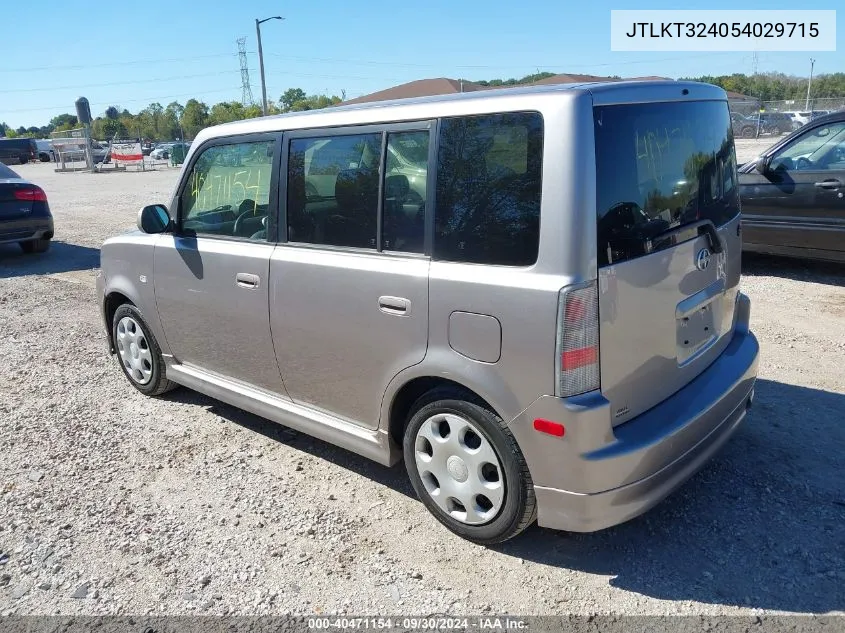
column 702, row 260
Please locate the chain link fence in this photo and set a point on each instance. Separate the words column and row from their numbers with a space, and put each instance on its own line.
column 71, row 149
column 753, row 118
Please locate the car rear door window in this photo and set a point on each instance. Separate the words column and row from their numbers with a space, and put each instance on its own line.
column 332, row 190
column 660, row 166
column 488, row 189
column 404, row 199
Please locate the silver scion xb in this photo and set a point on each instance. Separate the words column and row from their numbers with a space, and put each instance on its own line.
column 529, row 295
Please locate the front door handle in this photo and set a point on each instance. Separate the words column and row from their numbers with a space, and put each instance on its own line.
column 830, row 183
column 394, row 305
column 247, row 280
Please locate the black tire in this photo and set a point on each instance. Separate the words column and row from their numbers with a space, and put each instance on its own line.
column 24, row 159
column 158, row 383
column 519, row 507
column 44, row 157
column 35, row 246
column 748, row 132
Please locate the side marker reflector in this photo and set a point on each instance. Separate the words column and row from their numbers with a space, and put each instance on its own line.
column 547, row 426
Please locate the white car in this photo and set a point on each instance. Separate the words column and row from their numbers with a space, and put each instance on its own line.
column 161, row 152
column 800, row 118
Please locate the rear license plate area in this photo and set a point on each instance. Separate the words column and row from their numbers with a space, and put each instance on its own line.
column 696, row 331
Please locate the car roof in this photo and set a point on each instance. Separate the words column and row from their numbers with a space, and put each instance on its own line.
column 493, row 100
column 833, row 117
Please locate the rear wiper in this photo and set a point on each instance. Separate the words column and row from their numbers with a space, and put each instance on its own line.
column 701, row 226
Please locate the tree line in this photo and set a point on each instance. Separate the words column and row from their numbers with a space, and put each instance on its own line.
column 175, row 120
column 778, row 86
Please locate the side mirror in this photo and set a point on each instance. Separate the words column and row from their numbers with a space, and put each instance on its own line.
column 154, row 218
column 762, row 164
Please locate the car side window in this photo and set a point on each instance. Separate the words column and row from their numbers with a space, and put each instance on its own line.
column 227, row 192
column 332, row 190
column 822, row 148
column 404, row 204
column 489, row 171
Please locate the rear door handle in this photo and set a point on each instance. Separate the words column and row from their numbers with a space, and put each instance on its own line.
column 247, row 280
column 830, row 183
column 394, row 305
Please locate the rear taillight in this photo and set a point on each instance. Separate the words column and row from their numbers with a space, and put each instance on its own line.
column 577, row 357
column 31, row 194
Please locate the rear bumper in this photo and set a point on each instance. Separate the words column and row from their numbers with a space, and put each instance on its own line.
column 597, row 475
column 26, row 229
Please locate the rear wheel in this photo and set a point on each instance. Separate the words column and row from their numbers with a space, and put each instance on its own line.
column 467, row 468
column 138, row 352
column 748, row 132
column 35, row 246
column 24, row 159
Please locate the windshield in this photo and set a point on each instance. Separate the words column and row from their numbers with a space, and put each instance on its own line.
column 660, row 166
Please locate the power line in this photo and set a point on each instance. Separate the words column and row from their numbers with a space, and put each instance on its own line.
column 110, row 64
column 117, row 83
column 358, row 62
column 334, row 60
column 125, row 101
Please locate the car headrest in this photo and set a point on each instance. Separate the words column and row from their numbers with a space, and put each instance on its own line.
column 396, row 186
column 356, row 187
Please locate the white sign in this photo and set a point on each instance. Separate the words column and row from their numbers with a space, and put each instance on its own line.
column 722, row 30
column 127, row 152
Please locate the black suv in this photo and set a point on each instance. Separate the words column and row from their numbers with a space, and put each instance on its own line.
column 775, row 123
column 15, row 151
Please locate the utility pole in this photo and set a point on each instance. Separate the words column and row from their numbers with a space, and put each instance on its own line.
column 809, row 83
column 258, row 24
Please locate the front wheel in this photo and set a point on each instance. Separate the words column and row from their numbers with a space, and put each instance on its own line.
column 138, row 352
column 467, row 468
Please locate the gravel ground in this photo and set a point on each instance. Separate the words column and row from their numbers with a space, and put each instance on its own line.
column 114, row 503
column 746, row 149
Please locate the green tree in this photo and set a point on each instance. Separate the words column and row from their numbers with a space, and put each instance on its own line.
column 10, row 133
column 528, row 79
column 154, row 118
column 114, row 128
column 313, row 102
column 64, row 121
column 225, row 112
column 290, row 97
column 194, row 117
column 170, row 120
column 113, row 113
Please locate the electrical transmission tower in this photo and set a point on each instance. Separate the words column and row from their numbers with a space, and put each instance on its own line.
column 246, row 90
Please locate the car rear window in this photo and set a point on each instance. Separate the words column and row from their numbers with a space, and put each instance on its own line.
column 5, row 172
column 660, row 166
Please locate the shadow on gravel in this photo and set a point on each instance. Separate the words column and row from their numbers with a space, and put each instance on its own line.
column 62, row 257
column 393, row 478
column 828, row 273
column 760, row 526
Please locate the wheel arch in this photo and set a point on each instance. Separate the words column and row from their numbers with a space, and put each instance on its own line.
column 120, row 290
column 480, row 380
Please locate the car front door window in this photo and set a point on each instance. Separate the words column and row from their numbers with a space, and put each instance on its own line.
column 227, row 193
column 821, row 148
